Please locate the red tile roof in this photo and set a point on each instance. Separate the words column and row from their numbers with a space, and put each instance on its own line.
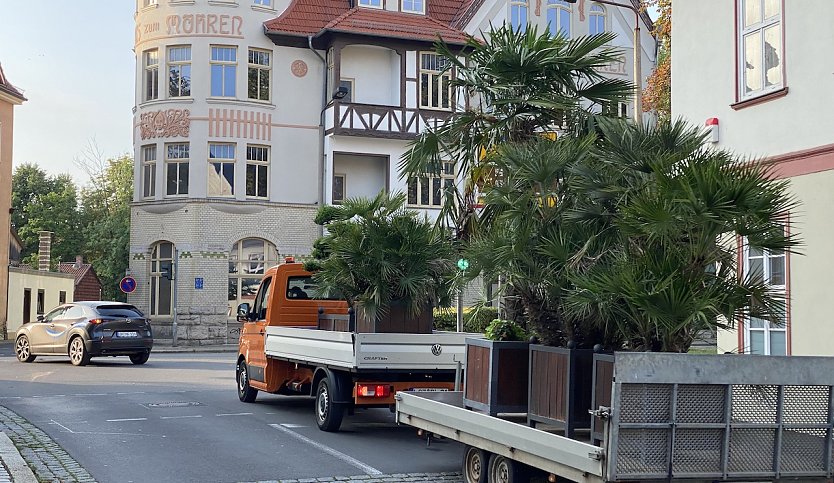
column 7, row 86
column 315, row 17
column 73, row 269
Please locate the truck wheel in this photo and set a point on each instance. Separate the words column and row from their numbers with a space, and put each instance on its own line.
column 475, row 465
column 328, row 415
column 503, row 470
column 245, row 392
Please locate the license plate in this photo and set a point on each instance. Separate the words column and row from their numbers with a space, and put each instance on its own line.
column 428, row 389
column 127, row 334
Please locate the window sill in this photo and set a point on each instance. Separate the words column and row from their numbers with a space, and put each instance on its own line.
column 760, row 99
column 260, row 8
column 242, row 102
column 221, row 3
column 149, row 8
column 182, row 2
column 424, row 207
column 175, row 100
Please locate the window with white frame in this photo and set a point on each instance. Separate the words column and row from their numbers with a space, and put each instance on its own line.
column 148, row 3
column 435, row 82
column 597, row 20
column 763, row 336
column 518, row 14
column 176, row 169
column 248, row 260
column 162, row 275
column 346, row 83
column 151, row 61
column 221, row 170
column 263, row 3
column 428, row 191
column 223, row 71
column 338, row 188
column 179, row 71
column 760, row 47
column 413, row 6
column 148, row 171
column 260, row 65
column 370, row 3
column 558, row 17
column 257, row 171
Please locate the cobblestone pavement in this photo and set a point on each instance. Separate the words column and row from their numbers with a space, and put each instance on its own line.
column 46, row 458
column 51, row 463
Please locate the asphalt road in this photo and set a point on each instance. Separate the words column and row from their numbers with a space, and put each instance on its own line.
column 178, row 419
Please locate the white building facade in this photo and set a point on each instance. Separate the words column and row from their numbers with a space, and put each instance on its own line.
column 761, row 82
column 250, row 114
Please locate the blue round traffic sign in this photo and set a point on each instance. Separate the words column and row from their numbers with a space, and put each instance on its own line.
column 128, row 284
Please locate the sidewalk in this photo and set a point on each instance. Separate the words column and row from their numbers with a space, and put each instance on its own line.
column 165, row 346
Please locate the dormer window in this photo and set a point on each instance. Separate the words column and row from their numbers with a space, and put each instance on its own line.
column 413, row 6
column 370, row 3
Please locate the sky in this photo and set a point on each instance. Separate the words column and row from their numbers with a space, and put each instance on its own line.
column 74, row 61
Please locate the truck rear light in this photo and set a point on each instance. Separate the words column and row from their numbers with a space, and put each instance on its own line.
column 373, row 390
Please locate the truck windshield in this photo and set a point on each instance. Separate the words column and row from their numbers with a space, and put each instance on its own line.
column 303, row 288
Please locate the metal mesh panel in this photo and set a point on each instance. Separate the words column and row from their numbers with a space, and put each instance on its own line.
column 803, row 450
column 698, row 451
column 755, row 404
column 805, row 405
column 700, row 403
column 646, row 403
column 643, row 452
column 751, row 450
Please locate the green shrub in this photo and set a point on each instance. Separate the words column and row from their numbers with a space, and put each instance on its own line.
column 505, row 330
column 475, row 319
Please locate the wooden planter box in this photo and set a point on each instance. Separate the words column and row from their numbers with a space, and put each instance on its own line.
column 560, row 387
column 603, row 382
column 496, row 376
column 396, row 320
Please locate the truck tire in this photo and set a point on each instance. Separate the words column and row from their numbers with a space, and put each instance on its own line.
column 245, row 392
column 475, row 465
column 503, row 470
column 328, row 414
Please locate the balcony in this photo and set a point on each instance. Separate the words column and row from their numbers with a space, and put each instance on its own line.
column 375, row 121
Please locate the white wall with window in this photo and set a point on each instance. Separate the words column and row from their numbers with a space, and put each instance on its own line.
column 370, row 3
column 357, row 175
column 596, row 20
column 435, row 82
column 763, row 336
column 161, row 275
column 248, row 260
column 149, row 171
column 221, row 170
column 375, row 72
column 518, row 14
column 151, row 74
column 559, row 14
column 413, row 6
column 179, row 71
column 429, row 191
column 257, row 171
column 259, row 75
column 760, row 47
column 223, row 71
column 177, row 159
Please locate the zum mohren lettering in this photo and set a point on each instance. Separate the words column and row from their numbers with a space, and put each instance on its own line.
column 204, row 24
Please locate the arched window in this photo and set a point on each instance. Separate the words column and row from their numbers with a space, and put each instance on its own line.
column 558, row 17
column 162, row 274
column 518, row 15
column 248, row 259
column 597, row 22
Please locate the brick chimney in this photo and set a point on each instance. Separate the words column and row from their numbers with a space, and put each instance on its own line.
column 44, row 250
column 79, row 260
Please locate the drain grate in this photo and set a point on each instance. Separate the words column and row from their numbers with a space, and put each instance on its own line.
column 174, row 404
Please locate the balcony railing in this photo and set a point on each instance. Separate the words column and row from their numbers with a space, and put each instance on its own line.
column 377, row 121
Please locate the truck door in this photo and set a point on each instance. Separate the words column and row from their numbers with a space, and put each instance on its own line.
column 254, row 333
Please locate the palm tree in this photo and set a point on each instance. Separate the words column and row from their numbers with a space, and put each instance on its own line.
column 517, row 85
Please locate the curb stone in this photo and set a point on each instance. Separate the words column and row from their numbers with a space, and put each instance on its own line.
column 46, row 460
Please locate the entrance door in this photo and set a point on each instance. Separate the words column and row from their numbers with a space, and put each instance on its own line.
column 27, row 305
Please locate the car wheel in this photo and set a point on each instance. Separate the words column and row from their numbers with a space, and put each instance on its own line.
column 328, row 415
column 23, row 349
column 475, row 465
column 503, row 470
column 245, row 392
column 140, row 358
column 77, row 352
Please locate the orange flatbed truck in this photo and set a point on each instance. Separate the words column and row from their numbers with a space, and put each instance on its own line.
column 288, row 346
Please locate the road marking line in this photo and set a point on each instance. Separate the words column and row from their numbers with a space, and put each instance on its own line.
column 182, row 417
column 92, row 394
column 370, row 470
column 125, row 419
column 288, row 425
column 61, row 425
column 233, row 414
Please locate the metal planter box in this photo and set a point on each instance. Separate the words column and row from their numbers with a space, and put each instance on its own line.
column 496, row 376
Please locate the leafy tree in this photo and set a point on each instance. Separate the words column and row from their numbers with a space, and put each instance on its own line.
column 105, row 214
column 45, row 203
column 657, row 96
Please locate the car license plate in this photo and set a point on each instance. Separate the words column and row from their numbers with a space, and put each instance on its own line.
column 127, row 334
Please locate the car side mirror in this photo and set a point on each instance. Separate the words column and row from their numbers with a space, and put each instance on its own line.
column 41, row 318
column 243, row 312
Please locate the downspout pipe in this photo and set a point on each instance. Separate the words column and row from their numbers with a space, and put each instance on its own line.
column 322, row 156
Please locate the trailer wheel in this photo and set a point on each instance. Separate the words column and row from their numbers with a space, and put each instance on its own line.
column 245, row 392
column 475, row 465
column 328, row 415
column 503, row 470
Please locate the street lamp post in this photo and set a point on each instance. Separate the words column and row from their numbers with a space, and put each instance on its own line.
column 638, row 77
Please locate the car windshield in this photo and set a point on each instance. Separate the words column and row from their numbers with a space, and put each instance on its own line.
column 127, row 311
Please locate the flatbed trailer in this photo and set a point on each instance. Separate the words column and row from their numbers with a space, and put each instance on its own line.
column 673, row 417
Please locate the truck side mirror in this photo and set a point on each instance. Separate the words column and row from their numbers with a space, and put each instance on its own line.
column 243, row 312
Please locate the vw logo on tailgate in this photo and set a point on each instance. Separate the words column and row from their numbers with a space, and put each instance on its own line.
column 436, row 349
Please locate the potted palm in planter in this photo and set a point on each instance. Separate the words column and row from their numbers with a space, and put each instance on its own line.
column 493, row 366
column 391, row 265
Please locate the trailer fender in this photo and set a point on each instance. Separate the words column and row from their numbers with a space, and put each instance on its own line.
column 341, row 384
